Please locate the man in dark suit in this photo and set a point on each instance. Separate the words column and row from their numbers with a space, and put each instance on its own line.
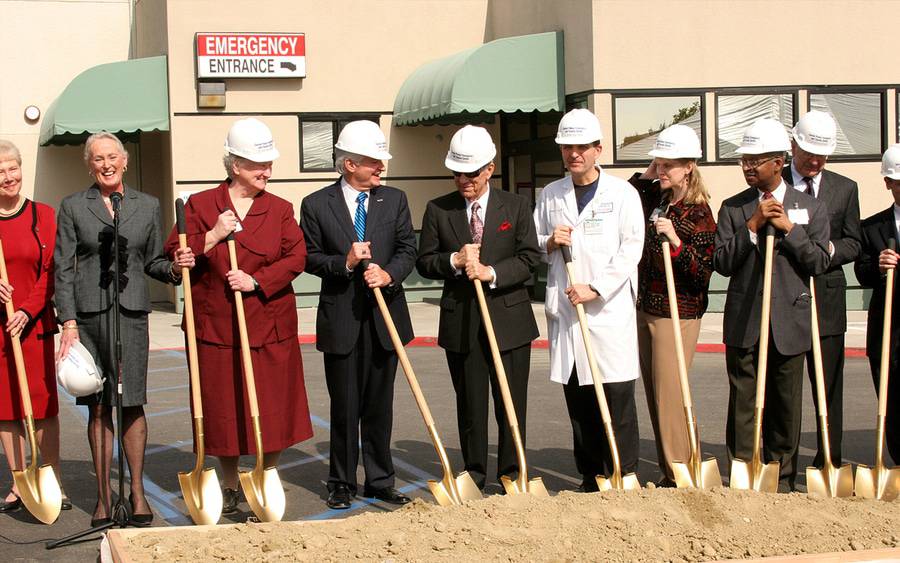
column 356, row 219
column 874, row 261
column 801, row 224
column 814, row 139
column 476, row 233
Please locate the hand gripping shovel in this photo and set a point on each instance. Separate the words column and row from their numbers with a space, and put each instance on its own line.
column 695, row 473
column 522, row 484
column 755, row 474
column 829, row 481
column 879, row 481
column 261, row 486
column 449, row 490
column 199, row 487
column 38, row 487
column 617, row 480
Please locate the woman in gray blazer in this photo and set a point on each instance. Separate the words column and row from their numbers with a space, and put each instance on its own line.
column 84, row 301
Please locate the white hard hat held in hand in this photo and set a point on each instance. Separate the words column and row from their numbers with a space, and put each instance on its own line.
column 764, row 136
column 250, row 138
column 816, row 133
column 77, row 372
column 676, row 141
column 578, row 127
column 470, row 148
column 890, row 163
column 364, row 138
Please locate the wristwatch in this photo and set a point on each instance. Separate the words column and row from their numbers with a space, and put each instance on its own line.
column 255, row 283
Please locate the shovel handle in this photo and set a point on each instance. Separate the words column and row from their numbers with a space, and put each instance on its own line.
column 686, row 400
column 242, row 330
column 17, row 347
column 883, row 371
column 193, row 363
column 820, row 376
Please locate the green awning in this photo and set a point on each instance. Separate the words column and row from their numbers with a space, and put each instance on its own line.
column 123, row 98
column 523, row 73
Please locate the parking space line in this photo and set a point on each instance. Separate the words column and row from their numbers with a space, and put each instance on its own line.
column 361, row 503
column 171, row 388
column 167, row 412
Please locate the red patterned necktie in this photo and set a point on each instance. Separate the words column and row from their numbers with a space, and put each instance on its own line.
column 476, row 227
column 767, row 195
column 809, row 186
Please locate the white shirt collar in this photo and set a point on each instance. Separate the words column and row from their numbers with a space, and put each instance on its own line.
column 897, row 216
column 801, row 185
column 482, row 202
column 350, row 194
column 777, row 194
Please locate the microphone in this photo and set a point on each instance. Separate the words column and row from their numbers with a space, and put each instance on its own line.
column 116, row 199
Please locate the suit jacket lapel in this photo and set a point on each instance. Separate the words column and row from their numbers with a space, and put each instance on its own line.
column 492, row 216
column 129, row 205
column 826, row 194
column 97, row 207
column 459, row 222
column 340, row 211
column 373, row 212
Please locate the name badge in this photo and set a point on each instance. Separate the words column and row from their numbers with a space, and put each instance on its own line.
column 798, row 216
column 593, row 226
column 604, row 207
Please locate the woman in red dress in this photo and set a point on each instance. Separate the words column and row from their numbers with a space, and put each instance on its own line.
column 271, row 252
column 28, row 231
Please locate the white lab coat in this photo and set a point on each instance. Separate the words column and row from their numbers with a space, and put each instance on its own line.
column 607, row 243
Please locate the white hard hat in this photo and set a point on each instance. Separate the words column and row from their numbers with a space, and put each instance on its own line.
column 364, row 138
column 77, row 372
column 676, row 141
column 890, row 163
column 250, row 138
column 578, row 127
column 816, row 133
column 764, row 136
column 470, row 148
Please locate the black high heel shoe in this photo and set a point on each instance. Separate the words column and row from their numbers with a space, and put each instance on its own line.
column 11, row 505
column 139, row 520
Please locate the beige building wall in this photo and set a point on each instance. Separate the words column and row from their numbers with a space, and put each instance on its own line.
column 45, row 45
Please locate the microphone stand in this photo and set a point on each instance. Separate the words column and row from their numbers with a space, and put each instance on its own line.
column 120, row 513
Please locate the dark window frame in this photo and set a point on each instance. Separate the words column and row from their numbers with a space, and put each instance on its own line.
column 338, row 120
column 668, row 93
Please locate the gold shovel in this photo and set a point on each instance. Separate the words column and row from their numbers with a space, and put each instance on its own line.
column 697, row 473
column 755, row 474
column 522, row 484
column 829, row 481
column 879, row 481
column 261, row 486
column 38, row 487
column 617, row 480
column 199, row 487
column 449, row 490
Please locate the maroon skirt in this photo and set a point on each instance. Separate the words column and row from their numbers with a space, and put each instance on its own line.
column 280, row 392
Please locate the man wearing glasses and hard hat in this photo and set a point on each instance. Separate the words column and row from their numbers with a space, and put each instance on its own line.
column 477, row 233
column 357, row 219
column 814, row 140
column 801, row 251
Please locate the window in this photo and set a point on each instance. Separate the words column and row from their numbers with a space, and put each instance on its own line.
column 318, row 133
column 737, row 112
column 859, row 120
column 638, row 120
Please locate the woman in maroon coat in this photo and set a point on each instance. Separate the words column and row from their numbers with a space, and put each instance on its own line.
column 271, row 252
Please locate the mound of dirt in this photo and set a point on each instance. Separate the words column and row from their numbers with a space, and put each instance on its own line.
column 646, row 525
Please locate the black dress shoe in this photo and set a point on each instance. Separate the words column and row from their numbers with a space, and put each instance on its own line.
column 97, row 522
column 588, row 487
column 665, row 483
column 387, row 494
column 340, row 498
column 11, row 505
column 139, row 520
column 66, row 503
column 230, row 499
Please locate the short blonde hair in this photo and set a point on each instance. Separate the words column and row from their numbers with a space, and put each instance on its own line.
column 88, row 145
column 9, row 149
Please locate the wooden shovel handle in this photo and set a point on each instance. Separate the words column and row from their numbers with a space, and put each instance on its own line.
column 686, row 400
column 764, row 319
column 886, row 338
column 495, row 353
column 193, row 363
column 17, row 347
column 242, row 330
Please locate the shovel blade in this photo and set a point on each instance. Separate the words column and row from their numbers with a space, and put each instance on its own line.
column 627, row 482
column 264, row 493
column 877, row 483
column 40, row 492
column 709, row 475
column 764, row 479
column 441, row 493
column 534, row 486
column 467, row 488
column 464, row 485
column 202, row 496
column 865, row 485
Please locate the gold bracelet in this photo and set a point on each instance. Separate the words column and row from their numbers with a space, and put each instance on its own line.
column 70, row 327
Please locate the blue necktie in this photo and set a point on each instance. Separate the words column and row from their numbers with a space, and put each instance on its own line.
column 359, row 223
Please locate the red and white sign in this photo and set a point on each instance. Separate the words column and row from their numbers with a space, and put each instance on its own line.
column 251, row 55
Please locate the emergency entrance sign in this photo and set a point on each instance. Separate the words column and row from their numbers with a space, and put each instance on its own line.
column 251, row 55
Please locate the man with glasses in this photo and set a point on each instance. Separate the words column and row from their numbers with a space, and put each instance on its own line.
column 814, row 140
column 478, row 233
column 800, row 223
column 353, row 221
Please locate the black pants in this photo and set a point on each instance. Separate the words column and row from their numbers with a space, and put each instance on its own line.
column 781, row 414
column 833, row 374
column 361, row 387
column 892, row 419
column 471, row 374
column 592, row 453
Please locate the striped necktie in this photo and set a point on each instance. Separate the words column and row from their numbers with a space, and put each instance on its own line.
column 809, row 186
column 359, row 223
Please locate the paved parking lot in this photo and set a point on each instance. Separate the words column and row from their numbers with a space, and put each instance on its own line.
column 304, row 468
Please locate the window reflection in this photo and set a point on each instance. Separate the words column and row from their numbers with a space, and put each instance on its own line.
column 858, row 117
column 736, row 113
column 639, row 120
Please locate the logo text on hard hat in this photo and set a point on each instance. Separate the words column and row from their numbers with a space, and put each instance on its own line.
column 460, row 157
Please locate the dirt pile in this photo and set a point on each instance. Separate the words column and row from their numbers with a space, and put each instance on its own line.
column 647, row 525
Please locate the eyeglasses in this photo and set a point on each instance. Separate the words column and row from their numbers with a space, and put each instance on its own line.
column 469, row 175
column 755, row 163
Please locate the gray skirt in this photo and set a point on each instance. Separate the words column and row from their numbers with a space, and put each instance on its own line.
column 97, row 333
